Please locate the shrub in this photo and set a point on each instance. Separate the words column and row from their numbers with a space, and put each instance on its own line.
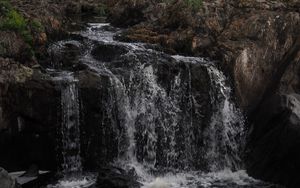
column 13, row 21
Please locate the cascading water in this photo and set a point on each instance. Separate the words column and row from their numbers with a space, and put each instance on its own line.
column 70, row 128
column 225, row 135
column 71, row 166
column 174, row 120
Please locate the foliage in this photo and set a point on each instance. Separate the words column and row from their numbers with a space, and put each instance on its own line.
column 11, row 20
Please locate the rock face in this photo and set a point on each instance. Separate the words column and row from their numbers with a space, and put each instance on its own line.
column 26, row 127
column 13, row 46
column 7, row 181
column 275, row 141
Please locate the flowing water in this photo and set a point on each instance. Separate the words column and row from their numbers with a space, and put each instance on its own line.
column 178, row 129
column 71, row 167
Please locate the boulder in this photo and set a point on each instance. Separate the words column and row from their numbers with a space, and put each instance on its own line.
column 112, row 177
column 275, row 141
column 6, row 181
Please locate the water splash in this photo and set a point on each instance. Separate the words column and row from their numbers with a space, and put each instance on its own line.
column 82, row 182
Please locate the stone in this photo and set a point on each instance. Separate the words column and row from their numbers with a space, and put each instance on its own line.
column 128, row 13
column 28, row 129
column 275, row 141
column 108, row 53
column 6, row 181
column 33, row 171
column 113, row 177
column 13, row 46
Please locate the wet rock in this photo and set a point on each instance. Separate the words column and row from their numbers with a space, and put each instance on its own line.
column 112, row 177
column 6, row 181
column 275, row 141
column 108, row 53
column 64, row 55
column 33, row 171
column 27, row 130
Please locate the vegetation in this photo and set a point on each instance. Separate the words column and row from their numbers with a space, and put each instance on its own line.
column 11, row 20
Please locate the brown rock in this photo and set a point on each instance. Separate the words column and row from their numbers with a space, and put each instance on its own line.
column 11, row 44
column 42, row 38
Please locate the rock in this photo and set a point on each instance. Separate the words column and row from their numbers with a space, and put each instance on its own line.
column 290, row 80
column 41, row 39
column 33, row 171
column 108, row 53
column 254, row 53
column 13, row 46
column 64, row 55
column 27, row 129
column 275, row 141
column 11, row 71
column 6, row 181
column 128, row 13
column 112, row 177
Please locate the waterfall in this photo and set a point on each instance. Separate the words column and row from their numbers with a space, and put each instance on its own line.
column 173, row 118
column 225, row 135
column 161, row 120
column 70, row 129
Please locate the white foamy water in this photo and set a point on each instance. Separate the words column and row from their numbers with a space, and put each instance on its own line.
column 70, row 129
column 83, row 182
column 225, row 178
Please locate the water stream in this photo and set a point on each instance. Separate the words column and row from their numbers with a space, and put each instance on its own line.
column 179, row 128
